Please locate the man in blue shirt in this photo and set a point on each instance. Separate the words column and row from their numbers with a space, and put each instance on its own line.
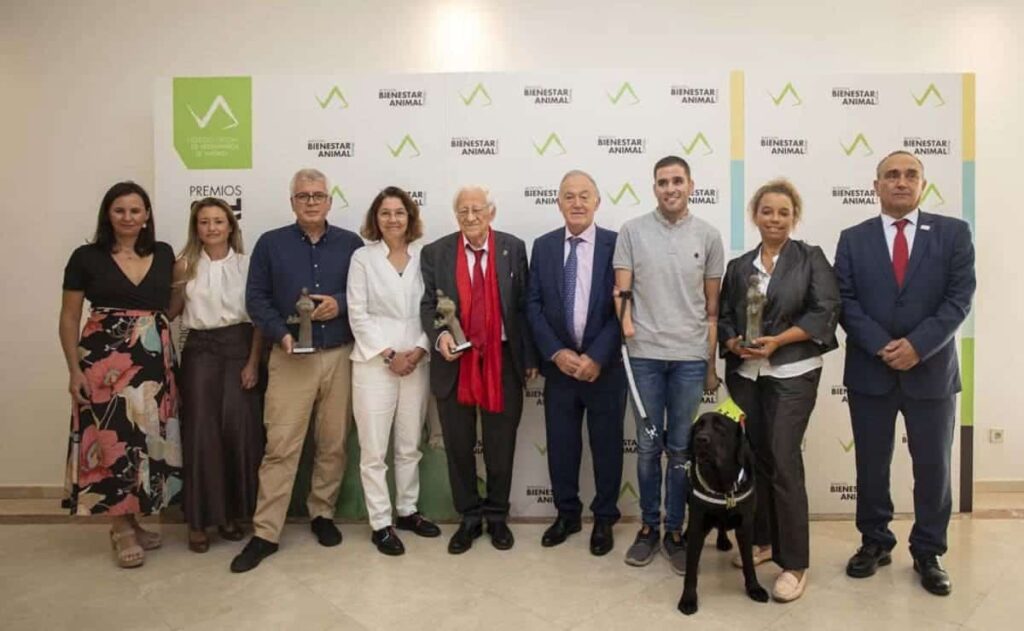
column 313, row 255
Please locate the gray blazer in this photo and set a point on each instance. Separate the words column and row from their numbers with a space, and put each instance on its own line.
column 437, row 261
column 803, row 292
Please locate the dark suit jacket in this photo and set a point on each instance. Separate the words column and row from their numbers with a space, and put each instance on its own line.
column 437, row 261
column 545, row 307
column 802, row 293
column 933, row 302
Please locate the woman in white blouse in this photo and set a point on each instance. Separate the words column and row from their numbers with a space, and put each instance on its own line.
column 222, row 424
column 389, row 363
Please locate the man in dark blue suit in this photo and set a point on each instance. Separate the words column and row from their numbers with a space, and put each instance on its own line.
column 572, row 317
column 906, row 281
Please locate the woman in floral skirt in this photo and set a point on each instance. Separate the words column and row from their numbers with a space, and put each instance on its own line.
column 124, row 456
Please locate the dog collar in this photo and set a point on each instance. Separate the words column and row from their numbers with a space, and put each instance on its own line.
column 728, row 500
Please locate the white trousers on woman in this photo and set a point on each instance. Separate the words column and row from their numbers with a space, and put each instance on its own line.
column 381, row 399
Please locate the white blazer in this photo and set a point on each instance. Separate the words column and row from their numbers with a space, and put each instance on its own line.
column 383, row 306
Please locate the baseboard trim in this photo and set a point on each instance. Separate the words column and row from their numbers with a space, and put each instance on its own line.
column 999, row 486
column 26, row 492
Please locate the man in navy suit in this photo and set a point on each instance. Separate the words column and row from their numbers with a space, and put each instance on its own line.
column 572, row 317
column 906, row 280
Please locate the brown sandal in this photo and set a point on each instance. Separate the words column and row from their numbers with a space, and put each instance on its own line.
column 198, row 545
column 129, row 553
column 148, row 539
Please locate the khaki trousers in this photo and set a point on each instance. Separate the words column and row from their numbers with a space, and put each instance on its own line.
column 297, row 383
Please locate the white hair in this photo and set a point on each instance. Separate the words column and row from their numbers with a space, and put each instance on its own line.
column 472, row 188
column 573, row 172
column 311, row 175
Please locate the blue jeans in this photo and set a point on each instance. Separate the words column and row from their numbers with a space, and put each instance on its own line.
column 671, row 392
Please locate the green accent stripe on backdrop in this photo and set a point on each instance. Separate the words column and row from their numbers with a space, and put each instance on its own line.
column 967, row 379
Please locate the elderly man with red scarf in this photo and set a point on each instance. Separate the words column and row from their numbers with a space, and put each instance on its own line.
column 484, row 272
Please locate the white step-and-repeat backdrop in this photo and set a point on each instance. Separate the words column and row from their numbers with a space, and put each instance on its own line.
column 241, row 138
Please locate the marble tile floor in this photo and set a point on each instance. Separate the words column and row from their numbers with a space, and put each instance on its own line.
column 61, row 576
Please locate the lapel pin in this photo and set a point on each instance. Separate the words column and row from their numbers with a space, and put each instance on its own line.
column 926, row 226
column 504, row 252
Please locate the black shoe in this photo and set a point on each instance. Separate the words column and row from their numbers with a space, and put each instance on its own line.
column 387, row 542
column 560, row 531
column 419, row 525
column 463, row 538
column 326, row 532
column 235, row 533
column 868, row 559
column 501, row 536
column 601, row 538
column 933, row 577
column 255, row 551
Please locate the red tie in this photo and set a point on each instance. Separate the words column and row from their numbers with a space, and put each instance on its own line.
column 477, row 322
column 900, row 252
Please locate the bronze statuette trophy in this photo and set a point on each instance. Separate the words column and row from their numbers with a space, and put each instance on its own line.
column 445, row 319
column 304, row 307
column 755, row 312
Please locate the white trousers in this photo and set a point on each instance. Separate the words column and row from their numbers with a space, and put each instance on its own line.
column 381, row 399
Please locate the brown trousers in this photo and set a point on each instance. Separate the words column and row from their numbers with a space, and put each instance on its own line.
column 296, row 383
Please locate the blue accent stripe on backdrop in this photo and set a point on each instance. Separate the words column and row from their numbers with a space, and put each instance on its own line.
column 736, row 195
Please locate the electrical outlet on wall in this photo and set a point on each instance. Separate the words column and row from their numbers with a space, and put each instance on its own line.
column 995, row 436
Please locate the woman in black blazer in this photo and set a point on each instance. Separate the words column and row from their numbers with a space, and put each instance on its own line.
column 775, row 381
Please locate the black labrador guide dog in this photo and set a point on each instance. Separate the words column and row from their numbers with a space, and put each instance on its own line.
column 722, row 496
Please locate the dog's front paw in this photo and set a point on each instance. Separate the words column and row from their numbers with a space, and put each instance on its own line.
column 758, row 593
column 688, row 604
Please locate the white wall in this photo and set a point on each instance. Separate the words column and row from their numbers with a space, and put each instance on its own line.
column 76, row 115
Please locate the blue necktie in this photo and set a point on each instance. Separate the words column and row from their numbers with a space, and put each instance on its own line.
column 569, row 287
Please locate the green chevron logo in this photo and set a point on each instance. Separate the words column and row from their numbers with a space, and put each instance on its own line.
column 787, row 90
column 624, row 89
column 932, row 91
column 846, row 446
column 478, row 90
column 699, row 139
column 627, row 189
column 628, row 490
column 340, row 194
column 858, row 141
column 552, row 139
column 481, row 486
column 334, row 95
column 931, row 190
column 541, row 449
column 213, row 122
column 407, row 143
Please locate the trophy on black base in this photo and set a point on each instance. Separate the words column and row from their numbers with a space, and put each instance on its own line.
column 304, row 307
column 755, row 312
column 445, row 318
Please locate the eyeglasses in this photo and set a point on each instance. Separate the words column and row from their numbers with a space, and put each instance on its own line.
column 316, row 198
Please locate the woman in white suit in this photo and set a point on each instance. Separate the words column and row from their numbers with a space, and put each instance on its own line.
column 390, row 378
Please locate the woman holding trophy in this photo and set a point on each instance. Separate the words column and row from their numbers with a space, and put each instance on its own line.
column 222, row 413
column 390, row 378
column 779, row 310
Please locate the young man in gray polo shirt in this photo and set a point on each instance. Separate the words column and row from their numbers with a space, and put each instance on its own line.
column 673, row 262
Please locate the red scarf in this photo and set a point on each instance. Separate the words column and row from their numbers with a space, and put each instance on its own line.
column 480, row 368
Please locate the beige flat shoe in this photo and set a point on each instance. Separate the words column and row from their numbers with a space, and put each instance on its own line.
column 126, row 545
column 761, row 555
column 788, row 587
